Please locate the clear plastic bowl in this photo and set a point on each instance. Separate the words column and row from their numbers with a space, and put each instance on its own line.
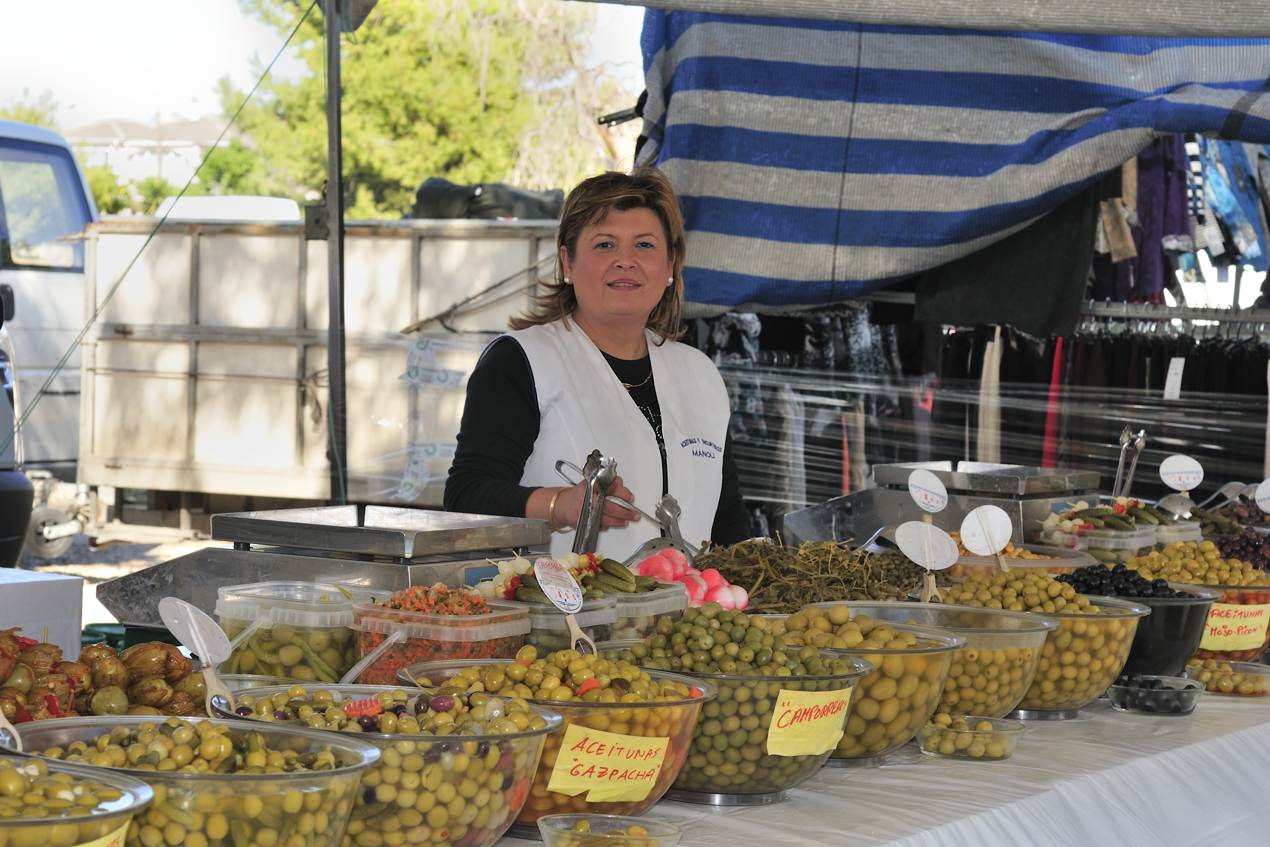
column 674, row 720
column 1110, row 546
column 1170, row 634
column 1063, row 560
column 549, row 632
column 1178, row 696
column 606, row 831
column 1182, row 530
column 637, row 614
column 298, row 630
column 1083, row 656
column 102, row 821
column 398, row 637
column 1226, row 613
column 1231, row 679
column 973, row 745
column 990, row 674
column 393, row 801
column 229, row 810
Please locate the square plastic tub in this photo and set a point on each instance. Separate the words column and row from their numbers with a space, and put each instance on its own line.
column 394, row 638
column 549, row 632
column 1111, row 546
column 1150, row 694
column 1182, row 530
column 637, row 614
column 292, row 630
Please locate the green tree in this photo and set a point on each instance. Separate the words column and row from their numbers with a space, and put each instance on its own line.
column 449, row 88
column 109, row 193
column 233, row 169
column 151, row 191
column 36, row 109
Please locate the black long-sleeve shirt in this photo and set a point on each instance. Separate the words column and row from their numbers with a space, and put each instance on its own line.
column 500, row 425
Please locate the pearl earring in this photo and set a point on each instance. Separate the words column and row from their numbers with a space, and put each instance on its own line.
column 568, row 281
column 670, row 280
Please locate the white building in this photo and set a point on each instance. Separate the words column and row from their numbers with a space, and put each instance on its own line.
column 135, row 150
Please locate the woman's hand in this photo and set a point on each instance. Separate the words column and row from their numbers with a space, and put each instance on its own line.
column 568, row 507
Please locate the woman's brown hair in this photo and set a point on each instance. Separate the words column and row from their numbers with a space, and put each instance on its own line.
column 588, row 203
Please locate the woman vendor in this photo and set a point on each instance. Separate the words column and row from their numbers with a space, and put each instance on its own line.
column 595, row 365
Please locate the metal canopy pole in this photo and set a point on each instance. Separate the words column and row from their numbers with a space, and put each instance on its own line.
column 336, row 398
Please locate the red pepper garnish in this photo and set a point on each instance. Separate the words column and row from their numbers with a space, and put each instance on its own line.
column 1120, row 508
column 360, row 708
column 509, row 593
column 20, row 714
column 591, row 562
column 26, row 643
column 54, row 709
column 587, row 685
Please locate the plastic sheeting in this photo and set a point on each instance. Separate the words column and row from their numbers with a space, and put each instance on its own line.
column 1102, row 779
column 1128, row 17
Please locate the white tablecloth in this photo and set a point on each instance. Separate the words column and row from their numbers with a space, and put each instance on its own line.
column 1105, row 778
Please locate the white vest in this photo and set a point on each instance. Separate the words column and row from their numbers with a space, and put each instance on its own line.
column 582, row 406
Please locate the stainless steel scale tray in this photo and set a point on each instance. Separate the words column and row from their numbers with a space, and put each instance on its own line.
column 379, row 530
column 987, row 478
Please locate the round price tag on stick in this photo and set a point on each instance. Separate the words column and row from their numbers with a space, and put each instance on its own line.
column 986, row 530
column 926, row 545
column 558, row 584
column 1263, row 495
column 1181, row 473
column 927, row 491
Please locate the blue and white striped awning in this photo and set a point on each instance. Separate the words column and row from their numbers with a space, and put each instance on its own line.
column 819, row 160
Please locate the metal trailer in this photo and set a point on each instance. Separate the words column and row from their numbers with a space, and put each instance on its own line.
column 206, row 371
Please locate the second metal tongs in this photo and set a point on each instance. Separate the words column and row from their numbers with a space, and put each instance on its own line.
column 1130, row 445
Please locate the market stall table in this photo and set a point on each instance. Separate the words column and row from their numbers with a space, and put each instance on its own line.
column 1104, row 778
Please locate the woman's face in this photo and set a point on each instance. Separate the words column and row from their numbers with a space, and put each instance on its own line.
column 621, row 267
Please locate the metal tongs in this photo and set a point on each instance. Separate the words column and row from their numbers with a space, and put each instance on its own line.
column 598, row 475
column 1130, row 445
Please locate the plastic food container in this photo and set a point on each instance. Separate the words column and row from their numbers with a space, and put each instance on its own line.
column 973, row 745
column 898, row 696
column 1170, row 634
column 1063, row 560
column 731, row 762
column 606, row 831
column 1181, row 530
column 637, row 614
column 1238, row 624
column 293, row 630
column 400, row 793
column 549, row 632
column 1232, row 679
column 109, row 816
column 1081, row 658
column 989, row 675
column 1175, row 695
column 1106, row 545
column 236, row 682
column 391, row 639
column 672, row 720
column 230, row 810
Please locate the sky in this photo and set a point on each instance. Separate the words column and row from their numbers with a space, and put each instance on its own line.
column 136, row 59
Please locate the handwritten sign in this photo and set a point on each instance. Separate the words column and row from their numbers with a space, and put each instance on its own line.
column 1263, row 495
column 1181, row 473
column 114, row 839
column 807, row 723
column 610, row 767
column 1232, row 627
column 927, row 491
column 559, row 585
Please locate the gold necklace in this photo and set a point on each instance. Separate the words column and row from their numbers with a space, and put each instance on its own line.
column 629, row 386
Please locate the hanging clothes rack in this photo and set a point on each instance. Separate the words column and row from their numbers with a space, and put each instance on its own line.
column 1152, row 312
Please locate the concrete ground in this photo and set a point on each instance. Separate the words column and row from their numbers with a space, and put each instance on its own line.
column 98, row 564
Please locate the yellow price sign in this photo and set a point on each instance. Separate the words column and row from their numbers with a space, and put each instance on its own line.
column 608, row 766
column 1234, row 627
column 807, row 723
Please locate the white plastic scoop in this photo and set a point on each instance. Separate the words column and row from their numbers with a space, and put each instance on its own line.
column 203, row 636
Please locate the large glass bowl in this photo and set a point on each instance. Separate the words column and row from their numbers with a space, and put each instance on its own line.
column 232, row 810
column 672, row 720
column 404, row 792
column 107, row 818
column 1081, row 658
column 992, row 671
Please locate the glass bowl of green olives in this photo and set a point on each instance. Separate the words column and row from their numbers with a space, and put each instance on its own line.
column 972, row 738
column 54, row 804
column 780, row 713
column 606, row 831
column 455, row 769
column 216, row 782
column 625, row 736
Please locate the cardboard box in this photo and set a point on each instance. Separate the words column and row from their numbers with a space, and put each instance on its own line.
column 34, row 601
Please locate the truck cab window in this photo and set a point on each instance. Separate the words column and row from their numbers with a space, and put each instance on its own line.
column 42, row 211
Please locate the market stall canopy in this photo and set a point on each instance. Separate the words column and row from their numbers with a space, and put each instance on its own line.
column 818, row 160
column 1244, row 18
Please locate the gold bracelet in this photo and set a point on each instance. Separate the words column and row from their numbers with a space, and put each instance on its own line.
column 551, row 511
